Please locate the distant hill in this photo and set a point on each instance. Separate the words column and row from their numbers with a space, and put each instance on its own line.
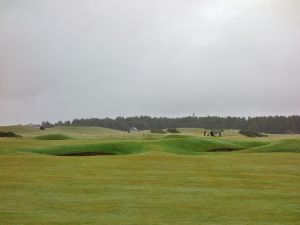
column 72, row 131
column 18, row 129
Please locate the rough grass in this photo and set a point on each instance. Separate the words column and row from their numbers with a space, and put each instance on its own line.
column 52, row 137
column 199, row 145
column 74, row 131
column 8, row 134
column 251, row 133
column 176, row 136
column 112, row 148
column 78, row 131
column 289, row 145
column 18, row 129
column 158, row 131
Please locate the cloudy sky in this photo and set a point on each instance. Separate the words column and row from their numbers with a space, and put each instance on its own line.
column 66, row 59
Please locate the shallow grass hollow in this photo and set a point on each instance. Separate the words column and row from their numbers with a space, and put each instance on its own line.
column 53, row 137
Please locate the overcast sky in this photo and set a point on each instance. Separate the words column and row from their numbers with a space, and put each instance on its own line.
column 64, row 59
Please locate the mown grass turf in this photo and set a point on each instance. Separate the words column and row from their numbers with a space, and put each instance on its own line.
column 152, row 188
column 149, row 179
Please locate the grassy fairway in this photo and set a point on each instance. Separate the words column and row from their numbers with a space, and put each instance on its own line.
column 156, row 179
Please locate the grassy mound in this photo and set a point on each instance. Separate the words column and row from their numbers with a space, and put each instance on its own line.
column 198, row 145
column 18, row 129
column 251, row 134
column 8, row 134
column 158, row 131
column 72, row 131
column 112, row 148
column 53, row 137
column 174, row 144
column 172, row 130
column 80, row 131
column 288, row 145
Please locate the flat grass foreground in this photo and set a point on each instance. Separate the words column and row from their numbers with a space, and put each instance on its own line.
column 143, row 178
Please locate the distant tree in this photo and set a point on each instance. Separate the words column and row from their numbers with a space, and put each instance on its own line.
column 67, row 123
column 270, row 124
column 47, row 124
column 59, row 123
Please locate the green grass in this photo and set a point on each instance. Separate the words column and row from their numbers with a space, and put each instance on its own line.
column 73, row 131
column 18, row 129
column 89, row 132
column 199, row 145
column 52, row 137
column 8, row 134
column 149, row 179
column 290, row 145
column 113, row 148
column 175, row 144
column 251, row 133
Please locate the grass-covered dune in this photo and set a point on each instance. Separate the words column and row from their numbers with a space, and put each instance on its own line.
column 110, row 148
column 288, row 145
column 197, row 145
column 88, row 132
column 8, row 134
column 18, row 129
column 185, row 145
column 73, row 131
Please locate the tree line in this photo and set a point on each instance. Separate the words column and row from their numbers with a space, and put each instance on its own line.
column 267, row 124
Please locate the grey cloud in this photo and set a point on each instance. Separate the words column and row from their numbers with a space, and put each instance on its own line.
column 67, row 59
